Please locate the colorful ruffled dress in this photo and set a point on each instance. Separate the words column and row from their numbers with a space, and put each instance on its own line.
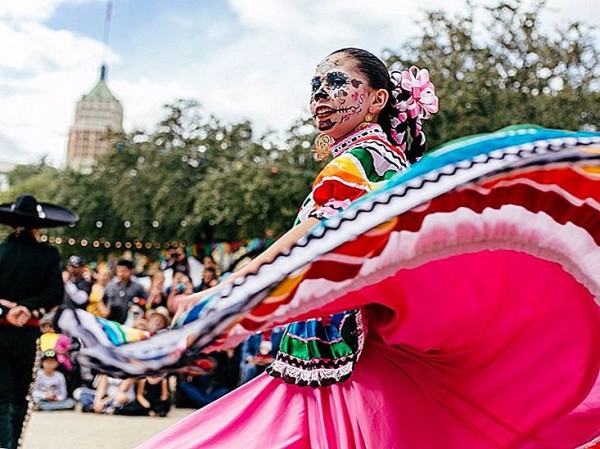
column 322, row 351
column 455, row 306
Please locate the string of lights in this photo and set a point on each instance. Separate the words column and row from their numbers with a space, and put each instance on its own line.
column 104, row 243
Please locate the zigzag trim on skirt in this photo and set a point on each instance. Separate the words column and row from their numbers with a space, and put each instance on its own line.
column 318, row 372
column 315, row 377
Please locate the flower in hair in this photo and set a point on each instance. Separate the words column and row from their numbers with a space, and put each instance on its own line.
column 401, row 107
column 399, row 138
column 422, row 102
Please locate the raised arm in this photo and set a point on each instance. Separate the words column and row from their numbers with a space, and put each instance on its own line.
column 284, row 243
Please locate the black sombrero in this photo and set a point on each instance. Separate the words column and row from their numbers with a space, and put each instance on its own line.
column 26, row 212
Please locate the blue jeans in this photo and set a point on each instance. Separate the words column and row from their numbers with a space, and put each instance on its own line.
column 85, row 396
column 66, row 404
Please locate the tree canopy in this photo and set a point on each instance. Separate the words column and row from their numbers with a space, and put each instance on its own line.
column 495, row 67
column 195, row 178
column 192, row 179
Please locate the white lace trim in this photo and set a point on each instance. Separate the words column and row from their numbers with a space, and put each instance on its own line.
column 311, row 375
column 348, row 141
column 314, row 375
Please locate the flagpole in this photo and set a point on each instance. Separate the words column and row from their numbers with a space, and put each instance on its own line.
column 106, row 34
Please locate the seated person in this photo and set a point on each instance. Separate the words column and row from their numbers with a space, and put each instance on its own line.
column 209, row 279
column 50, row 390
column 196, row 391
column 182, row 287
column 157, row 295
column 258, row 351
column 110, row 394
column 158, row 319
column 64, row 347
column 152, row 399
column 95, row 305
column 121, row 294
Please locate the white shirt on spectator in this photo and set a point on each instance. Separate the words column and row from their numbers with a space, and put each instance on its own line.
column 47, row 387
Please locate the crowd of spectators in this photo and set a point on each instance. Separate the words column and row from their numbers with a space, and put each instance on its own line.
column 146, row 302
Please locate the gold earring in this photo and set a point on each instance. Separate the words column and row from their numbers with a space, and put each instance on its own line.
column 323, row 144
column 366, row 121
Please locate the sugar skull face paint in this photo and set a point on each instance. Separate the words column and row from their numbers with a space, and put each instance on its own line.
column 339, row 97
column 334, row 80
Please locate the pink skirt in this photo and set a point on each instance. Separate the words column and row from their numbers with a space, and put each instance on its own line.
column 516, row 367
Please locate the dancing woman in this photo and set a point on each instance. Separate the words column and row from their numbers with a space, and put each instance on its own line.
column 451, row 305
column 370, row 125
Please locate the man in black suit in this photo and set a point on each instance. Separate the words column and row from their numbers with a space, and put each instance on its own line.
column 30, row 285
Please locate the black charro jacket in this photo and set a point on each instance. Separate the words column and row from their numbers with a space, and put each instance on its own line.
column 30, row 274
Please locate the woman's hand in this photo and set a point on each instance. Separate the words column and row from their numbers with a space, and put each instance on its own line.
column 281, row 245
column 185, row 303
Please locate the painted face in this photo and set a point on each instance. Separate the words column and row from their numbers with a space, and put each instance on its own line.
column 340, row 96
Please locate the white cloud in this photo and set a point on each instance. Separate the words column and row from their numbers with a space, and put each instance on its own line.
column 259, row 71
column 258, row 78
column 8, row 151
column 33, row 48
column 42, row 73
column 32, row 10
column 143, row 100
column 29, row 10
column 265, row 75
column 327, row 21
column 37, row 116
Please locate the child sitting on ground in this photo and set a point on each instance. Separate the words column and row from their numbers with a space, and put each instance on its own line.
column 50, row 391
column 152, row 398
column 64, row 346
column 110, row 394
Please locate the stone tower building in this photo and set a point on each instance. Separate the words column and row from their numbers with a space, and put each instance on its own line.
column 96, row 114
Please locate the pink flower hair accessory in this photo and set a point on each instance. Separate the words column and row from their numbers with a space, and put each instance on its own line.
column 422, row 101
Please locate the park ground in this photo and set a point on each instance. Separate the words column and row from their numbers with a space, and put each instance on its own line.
column 76, row 430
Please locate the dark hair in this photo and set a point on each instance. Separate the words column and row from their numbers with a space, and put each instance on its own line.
column 125, row 263
column 379, row 78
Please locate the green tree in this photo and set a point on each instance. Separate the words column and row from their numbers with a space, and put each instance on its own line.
column 495, row 67
column 41, row 180
column 157, row 175
column 196, row 178
column 261, row 189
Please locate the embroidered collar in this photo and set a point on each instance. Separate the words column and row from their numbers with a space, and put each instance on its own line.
column 370, row 130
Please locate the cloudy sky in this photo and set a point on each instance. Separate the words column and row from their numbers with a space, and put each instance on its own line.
column 242, row 59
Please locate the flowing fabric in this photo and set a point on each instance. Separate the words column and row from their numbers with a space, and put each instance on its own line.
column 478, row 272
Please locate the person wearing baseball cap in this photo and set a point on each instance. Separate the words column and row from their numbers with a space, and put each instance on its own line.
column 77, row 288
column 30, row 285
